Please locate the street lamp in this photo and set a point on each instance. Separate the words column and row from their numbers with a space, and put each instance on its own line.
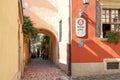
column 85, row 3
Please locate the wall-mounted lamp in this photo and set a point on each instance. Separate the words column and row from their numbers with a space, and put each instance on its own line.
column 85, row 2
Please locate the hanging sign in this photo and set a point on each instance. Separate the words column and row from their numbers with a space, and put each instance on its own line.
column 80, row 25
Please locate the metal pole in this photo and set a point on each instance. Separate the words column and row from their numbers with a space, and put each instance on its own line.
column 69, row 42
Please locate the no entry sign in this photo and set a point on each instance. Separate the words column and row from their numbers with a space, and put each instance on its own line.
column 80, row 25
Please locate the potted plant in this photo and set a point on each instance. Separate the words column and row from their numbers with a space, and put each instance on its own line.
column 113, row 36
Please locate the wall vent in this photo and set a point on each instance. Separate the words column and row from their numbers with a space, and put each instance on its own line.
column 112, row 65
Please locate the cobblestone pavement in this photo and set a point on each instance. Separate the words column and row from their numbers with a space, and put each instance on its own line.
column 39, row 69
column 115, row 76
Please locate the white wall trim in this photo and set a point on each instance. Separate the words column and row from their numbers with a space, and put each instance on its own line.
column 110, row 60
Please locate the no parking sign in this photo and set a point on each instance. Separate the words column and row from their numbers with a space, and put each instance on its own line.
column 80, row 25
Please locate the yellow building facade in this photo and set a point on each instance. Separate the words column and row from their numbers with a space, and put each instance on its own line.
column 10, row 34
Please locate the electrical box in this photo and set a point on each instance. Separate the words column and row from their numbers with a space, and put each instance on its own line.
column 80, row 44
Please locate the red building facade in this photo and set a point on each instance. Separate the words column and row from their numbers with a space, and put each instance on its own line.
column 93, row 53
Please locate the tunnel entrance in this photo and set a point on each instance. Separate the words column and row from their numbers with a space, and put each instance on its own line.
column 44, row 46
column 43, row 59
column 40, row 47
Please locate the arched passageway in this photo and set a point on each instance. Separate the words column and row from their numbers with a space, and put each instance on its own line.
column 50, row 50
column 53, row 47
column 45, row 17
column 39, row 69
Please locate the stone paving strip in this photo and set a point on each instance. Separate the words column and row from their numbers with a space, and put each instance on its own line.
column 115, row 76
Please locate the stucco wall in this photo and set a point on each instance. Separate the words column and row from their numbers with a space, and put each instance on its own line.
column 63, row 14
column 42, row 13
column 8, row 39
column 46, row 16
column 94, row 49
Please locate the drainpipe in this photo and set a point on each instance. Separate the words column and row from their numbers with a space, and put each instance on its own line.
column 19, row 51
column 69, row 43
column 20, row 22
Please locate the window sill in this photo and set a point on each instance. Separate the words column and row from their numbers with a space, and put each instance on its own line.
column 103, row 39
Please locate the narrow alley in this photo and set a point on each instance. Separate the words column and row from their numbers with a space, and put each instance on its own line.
column 39, row 69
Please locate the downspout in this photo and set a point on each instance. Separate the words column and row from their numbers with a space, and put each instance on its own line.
column 20, row 21
column 69, row 42
column 19, row 51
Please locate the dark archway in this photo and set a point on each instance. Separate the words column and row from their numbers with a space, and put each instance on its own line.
column 53, row 45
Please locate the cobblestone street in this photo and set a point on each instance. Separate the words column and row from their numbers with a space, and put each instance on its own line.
column 39, row 69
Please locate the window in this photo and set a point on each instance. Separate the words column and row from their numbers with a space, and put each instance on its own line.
column 112, row 65
column 110, row 19
column 105, row 28
column 60, row 30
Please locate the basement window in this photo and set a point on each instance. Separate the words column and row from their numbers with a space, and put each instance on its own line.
column 112, row 65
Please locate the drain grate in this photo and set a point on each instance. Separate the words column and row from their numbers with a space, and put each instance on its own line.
column 112, row 65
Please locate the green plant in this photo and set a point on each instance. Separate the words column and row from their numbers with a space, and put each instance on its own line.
column 113, row 37
column 44, row 41
column 28, row 28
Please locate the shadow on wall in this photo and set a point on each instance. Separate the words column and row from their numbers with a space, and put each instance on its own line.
column 114, row 46
column 88, row 27
column 94, row 51
column 42, row 3
column 89, row 20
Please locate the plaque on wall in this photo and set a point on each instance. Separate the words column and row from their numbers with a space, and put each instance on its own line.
column 80, row 27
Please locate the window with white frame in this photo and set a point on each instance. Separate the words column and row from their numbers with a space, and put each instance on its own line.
column 110, row 19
